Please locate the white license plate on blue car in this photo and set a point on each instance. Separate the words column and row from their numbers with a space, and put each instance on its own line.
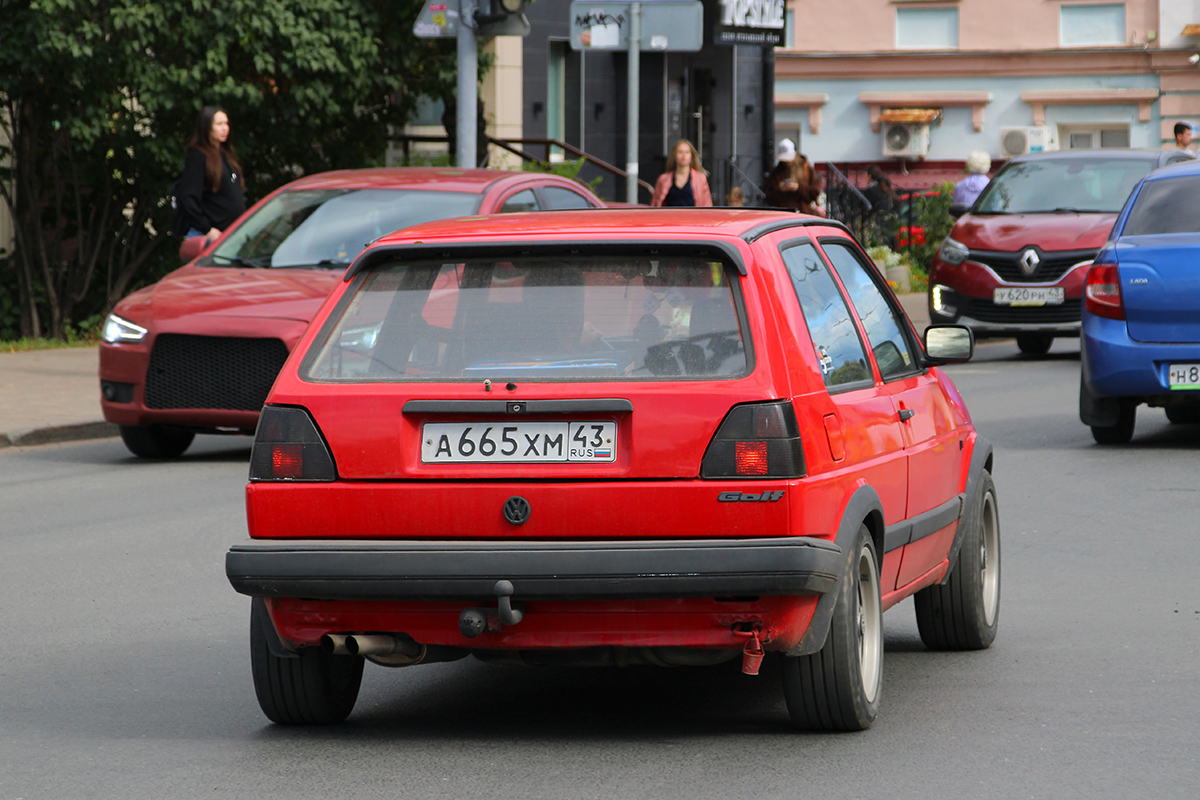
column 1183, row 376
column 1028, row 296
column 518, row 442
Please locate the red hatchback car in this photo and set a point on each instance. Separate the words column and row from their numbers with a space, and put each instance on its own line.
column 680, row 438
column 1014, row 264
column 197, row 351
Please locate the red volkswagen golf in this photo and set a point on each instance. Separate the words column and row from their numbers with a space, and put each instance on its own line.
column 683, row 438
column 197, row 351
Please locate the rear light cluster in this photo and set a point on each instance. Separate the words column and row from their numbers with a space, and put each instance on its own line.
column 288, row 447
column 759, row 440
column 1102, row 292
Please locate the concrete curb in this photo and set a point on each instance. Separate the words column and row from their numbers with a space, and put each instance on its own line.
column 59, row 433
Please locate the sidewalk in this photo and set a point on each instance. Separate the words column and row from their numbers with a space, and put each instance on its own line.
column 54, row 395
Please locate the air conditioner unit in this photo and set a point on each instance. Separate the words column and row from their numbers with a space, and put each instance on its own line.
column 1019, row 141
column 905, row 139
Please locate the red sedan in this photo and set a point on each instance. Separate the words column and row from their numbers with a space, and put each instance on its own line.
column 197, row 351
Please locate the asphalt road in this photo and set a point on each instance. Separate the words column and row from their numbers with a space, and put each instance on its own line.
column 126, row 673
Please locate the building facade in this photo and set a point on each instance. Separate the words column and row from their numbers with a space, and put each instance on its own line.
column 921, row 84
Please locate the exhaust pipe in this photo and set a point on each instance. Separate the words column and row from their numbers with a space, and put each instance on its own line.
column 382, row 644
column 334, row 644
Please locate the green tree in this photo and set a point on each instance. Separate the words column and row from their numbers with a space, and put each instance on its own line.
column 99, row 103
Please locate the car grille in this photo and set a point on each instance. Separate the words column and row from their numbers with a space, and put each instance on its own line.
column 1052, row 266
column 212, row 371
column 987, row 311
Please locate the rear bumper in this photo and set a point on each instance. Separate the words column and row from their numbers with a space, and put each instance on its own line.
column 1116, row 366
column 574, row 570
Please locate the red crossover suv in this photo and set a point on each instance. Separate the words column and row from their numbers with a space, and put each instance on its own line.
column 197, row 351
column 1014, row 264
column 613, row 437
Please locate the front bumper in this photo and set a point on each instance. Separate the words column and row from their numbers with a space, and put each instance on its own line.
column 985, row 318
column 558, row 570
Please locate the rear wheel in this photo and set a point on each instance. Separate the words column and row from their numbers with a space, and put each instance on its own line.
column 1183, row 415
column 156, row 441
column 1034, row 344
column 1122, row 432
column 963, row 612
column 314, row 688
column 837, row 689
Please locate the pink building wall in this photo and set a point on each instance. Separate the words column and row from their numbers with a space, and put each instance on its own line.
column 858, row 26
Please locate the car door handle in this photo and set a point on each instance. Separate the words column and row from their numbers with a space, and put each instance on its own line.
column 907, row 414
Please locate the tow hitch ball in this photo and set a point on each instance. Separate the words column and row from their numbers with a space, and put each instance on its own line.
column 474, row 621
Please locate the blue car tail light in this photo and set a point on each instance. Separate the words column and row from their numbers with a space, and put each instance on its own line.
column 1102, row 292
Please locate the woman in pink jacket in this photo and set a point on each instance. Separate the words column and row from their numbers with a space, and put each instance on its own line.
column 684, row 183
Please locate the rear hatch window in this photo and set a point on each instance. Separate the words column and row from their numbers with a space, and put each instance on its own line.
column 573, row 318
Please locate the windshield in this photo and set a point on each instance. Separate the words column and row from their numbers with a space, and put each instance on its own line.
column 329, row 227
column 573, row 318
column 1063, row 185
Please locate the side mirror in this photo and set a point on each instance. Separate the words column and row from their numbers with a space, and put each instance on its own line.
column 948, row 344
column 192, row 247
column 957, row 210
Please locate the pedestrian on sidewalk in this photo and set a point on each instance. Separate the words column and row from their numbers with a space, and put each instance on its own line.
column 685, row 183
column 211, row 185
column 792, row 182
column 978, row 165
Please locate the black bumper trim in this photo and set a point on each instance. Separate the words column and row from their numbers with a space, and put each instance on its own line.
column 585, row 570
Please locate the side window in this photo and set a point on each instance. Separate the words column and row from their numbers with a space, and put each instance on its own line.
column 521, row 201
column 556, row 197
column 884, row 329
column 834, row 336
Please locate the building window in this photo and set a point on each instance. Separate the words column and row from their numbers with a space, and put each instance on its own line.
column 927, row 28
column 1086, row 137
column 1099, row 24
column 789, row 30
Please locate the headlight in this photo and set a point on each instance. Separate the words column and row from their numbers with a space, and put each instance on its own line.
column 953, row 253
column 941, row 297
column 117, row 329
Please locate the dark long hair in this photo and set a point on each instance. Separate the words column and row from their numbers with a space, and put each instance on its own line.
column 202, row 141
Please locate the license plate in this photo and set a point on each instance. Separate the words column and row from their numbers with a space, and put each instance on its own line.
column 1028, row 296
column 518, row 442
column 1183, row 376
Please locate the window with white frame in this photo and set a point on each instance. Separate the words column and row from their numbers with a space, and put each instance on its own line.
column 1090, row 136
column 789, row 30
column 1091, row 24
column 926, row 28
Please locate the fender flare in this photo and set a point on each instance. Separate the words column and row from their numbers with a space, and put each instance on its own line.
column 862, row 506
column 981, row 459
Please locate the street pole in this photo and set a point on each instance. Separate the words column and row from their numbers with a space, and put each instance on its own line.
column 631, row 117
column 468, row 69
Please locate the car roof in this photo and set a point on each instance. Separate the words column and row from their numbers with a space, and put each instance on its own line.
column 445, row 179
column 1189, row 167
column 1114, row 154
column 600, row 224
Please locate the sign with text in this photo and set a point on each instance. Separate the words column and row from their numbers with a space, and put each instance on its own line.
column 760, row 22
column 438, row 19
column 670, row 26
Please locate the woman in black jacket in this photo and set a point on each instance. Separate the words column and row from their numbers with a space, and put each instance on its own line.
column 211, row 185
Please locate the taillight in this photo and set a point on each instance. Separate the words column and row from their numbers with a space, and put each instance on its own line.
column 756, row 440
column 288, row 447
column 1102, row 292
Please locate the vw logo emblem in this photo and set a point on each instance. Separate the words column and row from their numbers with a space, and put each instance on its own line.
column 516, row 510
column 1029, row 261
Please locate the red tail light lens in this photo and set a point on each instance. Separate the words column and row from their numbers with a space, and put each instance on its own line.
column 1102, row 292
column 288, row 447
column 756, row 440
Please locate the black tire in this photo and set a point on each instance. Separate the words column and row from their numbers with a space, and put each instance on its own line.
column 315, row 688
column 1122, row 432
column 156, row 441
column 838, row 688
column 1183, row 415
column 964, row 612
column 1034, row 344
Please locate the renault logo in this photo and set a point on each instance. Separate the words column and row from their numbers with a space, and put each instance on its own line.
column 1029, row 261
column 516, row 510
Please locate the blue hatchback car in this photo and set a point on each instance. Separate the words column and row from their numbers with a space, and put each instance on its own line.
column 1140, row 341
